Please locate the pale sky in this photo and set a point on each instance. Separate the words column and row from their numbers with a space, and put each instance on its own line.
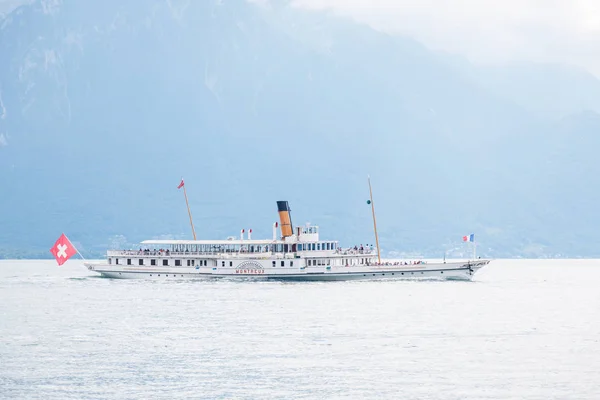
column 487, row 31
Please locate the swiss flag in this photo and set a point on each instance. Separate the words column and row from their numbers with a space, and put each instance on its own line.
column 180, row 185
column 62, row 250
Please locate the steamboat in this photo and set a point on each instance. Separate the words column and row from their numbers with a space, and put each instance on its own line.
column 292, row 254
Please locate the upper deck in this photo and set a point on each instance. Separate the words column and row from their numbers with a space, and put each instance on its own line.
column 298, row 242
column 241, row 248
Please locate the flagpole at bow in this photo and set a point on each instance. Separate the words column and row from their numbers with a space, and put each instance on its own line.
column 471, row 238
column 188, row 207
column 374, row 221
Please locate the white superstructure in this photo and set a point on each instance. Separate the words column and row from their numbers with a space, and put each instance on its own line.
column 296, row 254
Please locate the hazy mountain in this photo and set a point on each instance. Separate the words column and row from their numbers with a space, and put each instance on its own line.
column 105, row 106
column 548, row 91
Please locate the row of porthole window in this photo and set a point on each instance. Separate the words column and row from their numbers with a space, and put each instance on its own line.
column 402, row 273
column 167, row 275
column 283, row 263
column 291, row 263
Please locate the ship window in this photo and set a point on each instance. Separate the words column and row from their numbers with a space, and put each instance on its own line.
column 178, row 263
column 328, row 246
column 165, row 263
column 205, row 263
column 291, row 263
column 193, row 261
column 129, row 261
column 141, row 262
column 273, row 263
column 152, row 262
column 110, row 261
column 282, row 263
column 313, row 246
column 116, row 261
column 222, row 263
column 231, row 263
column 299, row 247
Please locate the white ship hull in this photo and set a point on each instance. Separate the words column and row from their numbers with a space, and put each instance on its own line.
column 464, row 270
column 297, row 254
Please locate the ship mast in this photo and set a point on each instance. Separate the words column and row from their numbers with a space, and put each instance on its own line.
column 182, row 185
column 374, row 220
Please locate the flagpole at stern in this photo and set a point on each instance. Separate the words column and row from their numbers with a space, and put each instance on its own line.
column 80, row 255
column 374, row 220
column 182, row 184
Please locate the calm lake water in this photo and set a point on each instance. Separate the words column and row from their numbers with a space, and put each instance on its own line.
column 521, row 330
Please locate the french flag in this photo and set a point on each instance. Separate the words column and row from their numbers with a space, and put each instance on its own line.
column 469, row 238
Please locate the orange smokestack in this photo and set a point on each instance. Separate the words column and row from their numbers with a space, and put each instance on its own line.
column 284, row 216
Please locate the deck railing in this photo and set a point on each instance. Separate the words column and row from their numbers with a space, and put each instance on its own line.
column 232, row 254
